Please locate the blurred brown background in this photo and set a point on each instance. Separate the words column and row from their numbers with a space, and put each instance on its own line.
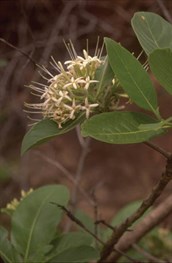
column 117, row 174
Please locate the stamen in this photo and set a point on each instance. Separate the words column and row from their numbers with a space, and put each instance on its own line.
column 73, row 49
column 97, row 45
column 101, row 51
column 55, row 65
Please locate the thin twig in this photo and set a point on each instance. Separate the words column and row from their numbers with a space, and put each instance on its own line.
column 95, row 213
column 67, row 174
column 79, row 223
column 19, row 50
column 155, row 217
column 79, row 172
column 78, row 176
column 105, row 224
column 80, row 138
column 158, row 149
column 146, row 204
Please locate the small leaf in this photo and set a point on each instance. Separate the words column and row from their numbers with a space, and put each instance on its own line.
column 76, row 254
column 152, row 31
column 160, row 62
column 132, row 76
column 35, row 219
column 45, row 130
column 120, row 127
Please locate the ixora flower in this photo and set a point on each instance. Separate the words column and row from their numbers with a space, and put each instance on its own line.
column 72, row 90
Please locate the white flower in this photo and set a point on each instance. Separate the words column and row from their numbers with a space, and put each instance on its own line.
column 72, row 90
column 74, row 82
column 88, row 81
column 88, row 107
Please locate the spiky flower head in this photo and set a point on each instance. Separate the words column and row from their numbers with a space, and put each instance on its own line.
column 72, row 90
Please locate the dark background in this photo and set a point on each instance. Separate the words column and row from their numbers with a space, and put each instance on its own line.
column 117, row 174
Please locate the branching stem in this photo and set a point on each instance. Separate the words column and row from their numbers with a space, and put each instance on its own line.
column 145, row 205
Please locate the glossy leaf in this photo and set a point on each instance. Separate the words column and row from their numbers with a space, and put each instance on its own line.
column 77, row 254
column 35, row 219
column 160, row 62
column 152, row 31
column 120, row 127
column 132, row 76
column 45, row 130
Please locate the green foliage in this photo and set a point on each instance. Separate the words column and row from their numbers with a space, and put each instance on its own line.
column 76, row 254
column 5, row 246
column 129, row 74
column 160, row 62
column 44, row 131
column 121, row 127
column 43, row 216
column 157, row 242
column 104, row 75
column 86, row 220
column 67, row 243
column 152, row 31
column 33, row 234
column 132, row 76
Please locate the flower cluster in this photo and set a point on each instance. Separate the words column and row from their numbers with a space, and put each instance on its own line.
column 15, row 202
column 71, row 91
column 74, row 89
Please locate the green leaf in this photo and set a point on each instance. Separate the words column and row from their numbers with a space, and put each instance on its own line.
column 104, row 75
column 120, row 127
column 35, row 219
column 152, row 31
column 160, row 62
column 68, row 241
column 86, row 220
column 77, row 254
column 45, row 130
column 132, row 76
column 121, row 216
column 5, row 246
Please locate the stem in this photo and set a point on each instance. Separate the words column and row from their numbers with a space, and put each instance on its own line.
column 158, row 149
column 79, row 172
column 146, row 204
column 68, row 175
column 85, row 150
column 147, row 224
column 79, row 223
